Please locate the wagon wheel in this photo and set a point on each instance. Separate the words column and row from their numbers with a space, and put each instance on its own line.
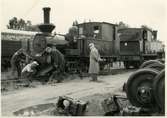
column 126, row 64
column 102, row 65
column 161, row 60
column 136, row 64
column 147, row 63
column 159, row 90
column 83, row 67
column 139, row 88
column 156, row 66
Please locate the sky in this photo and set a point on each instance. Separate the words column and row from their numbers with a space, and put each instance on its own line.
column 63, row 12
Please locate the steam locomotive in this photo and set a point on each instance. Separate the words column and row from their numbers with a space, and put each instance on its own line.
column 130, row 45
column 138, row 45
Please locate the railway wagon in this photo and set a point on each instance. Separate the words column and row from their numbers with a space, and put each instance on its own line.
column 11, row 41
column 138, row 45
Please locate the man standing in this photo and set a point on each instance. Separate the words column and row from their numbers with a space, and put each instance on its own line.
column 94, row 62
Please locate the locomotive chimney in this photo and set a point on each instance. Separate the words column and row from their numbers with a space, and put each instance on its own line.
column 46, row 15
column 47, row 27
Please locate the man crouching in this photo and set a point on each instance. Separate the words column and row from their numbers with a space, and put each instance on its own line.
column 29, row 69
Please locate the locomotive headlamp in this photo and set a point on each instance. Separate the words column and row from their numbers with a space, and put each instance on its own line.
column 125, row 44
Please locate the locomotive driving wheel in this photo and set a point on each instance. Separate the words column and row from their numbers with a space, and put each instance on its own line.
column 159, row 90
column 139, row 88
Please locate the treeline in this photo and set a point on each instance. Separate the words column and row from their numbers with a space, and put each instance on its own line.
column 21, row 24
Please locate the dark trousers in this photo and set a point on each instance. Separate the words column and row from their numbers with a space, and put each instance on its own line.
column 16, row 67
column 18, row 70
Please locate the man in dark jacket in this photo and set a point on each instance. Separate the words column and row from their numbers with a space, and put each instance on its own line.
column 54, row 62
column 58, row 61
column 16, row 60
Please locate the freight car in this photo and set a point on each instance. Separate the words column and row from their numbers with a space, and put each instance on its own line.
column 11, row 41
column 138, row 45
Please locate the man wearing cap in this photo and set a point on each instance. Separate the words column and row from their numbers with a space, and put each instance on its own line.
column 58, row 61
column 94, row 62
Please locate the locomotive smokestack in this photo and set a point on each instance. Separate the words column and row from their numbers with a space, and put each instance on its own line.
column 46, row 15
column 46, row 27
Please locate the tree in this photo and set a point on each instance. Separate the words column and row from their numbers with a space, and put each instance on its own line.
column 12, row 23
column 21, row 24
column 146, row 27
column 122, row 25
column 75, row 23
column 28, row 23
column 16, row 24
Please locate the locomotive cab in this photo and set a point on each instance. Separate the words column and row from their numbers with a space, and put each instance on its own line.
column 102, row 34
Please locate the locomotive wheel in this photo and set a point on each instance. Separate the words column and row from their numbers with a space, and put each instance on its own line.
column 156, row 66
column 136, row 64
column 161, row 60
column 147, row 63
column 102, row 65
column 159, row 90
column 124, row 87
column 139, row 86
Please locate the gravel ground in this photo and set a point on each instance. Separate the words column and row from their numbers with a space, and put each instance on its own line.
column 82, row 89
